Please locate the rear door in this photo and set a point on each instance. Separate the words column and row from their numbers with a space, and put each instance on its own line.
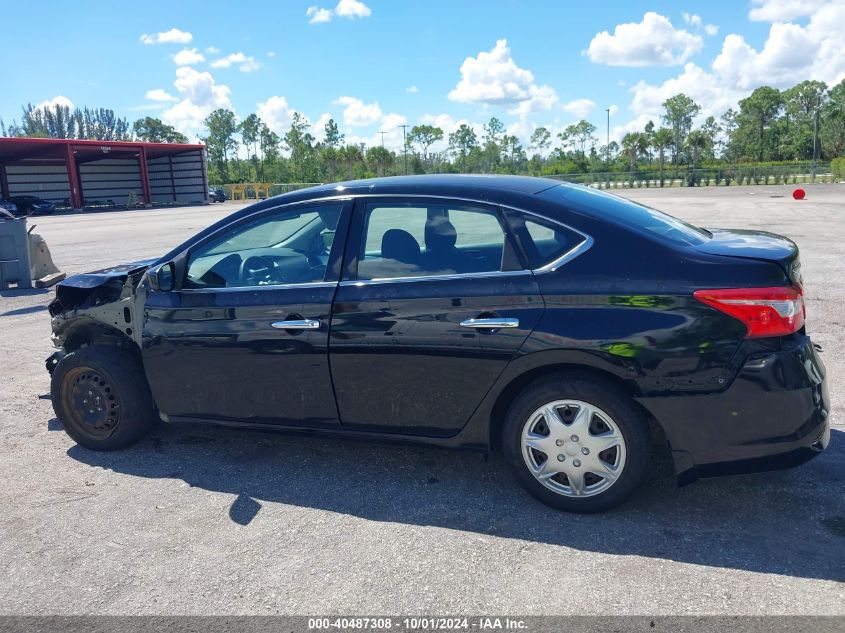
column 434, row 303
column 245, row 337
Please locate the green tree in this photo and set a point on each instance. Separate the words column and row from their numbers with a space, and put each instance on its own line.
column 757, row 113
column 832, row 122
column 300, row 144
column 660, row 140
column 425, row 136
column 152, row 130
column 250, row 129
column 680, row 110
column 462, row 143
column 379, row 159
column 331, row 134
column 541, row 140
column 221, row 140
column 635, row 145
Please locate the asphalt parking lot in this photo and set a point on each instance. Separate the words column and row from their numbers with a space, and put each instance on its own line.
column 196, row 520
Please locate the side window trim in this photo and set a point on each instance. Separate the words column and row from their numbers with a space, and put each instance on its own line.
column 357, row 226
column 333, row 264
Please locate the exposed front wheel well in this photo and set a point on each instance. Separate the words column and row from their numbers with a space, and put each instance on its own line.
column 97, row 334
column 521, row 382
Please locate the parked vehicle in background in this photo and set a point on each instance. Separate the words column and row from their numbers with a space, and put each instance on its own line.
column 567, row 327
column 33, row 205
column 217, row 194
column 11, row 207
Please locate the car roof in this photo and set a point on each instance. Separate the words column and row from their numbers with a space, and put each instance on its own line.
column 451, row 184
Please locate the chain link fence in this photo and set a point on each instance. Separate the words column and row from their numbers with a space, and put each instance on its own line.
column 706, row 177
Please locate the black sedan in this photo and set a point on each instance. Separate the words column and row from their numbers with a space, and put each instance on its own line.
column 33, row 205
column 566, row 327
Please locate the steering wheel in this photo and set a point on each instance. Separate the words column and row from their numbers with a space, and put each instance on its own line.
column 255, row 269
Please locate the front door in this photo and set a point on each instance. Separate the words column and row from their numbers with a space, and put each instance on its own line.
column 434, row 304
column 245, row 336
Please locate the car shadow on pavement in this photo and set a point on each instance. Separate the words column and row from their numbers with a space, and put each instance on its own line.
column 786, row 522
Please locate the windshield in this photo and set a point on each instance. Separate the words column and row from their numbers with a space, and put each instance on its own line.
column 628, row 213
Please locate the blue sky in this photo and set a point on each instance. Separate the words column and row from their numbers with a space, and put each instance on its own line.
column 375, row 64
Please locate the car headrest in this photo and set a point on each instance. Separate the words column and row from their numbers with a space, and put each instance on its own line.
column 440, row 234
column 400, row 245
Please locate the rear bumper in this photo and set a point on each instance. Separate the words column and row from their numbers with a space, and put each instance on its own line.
column 774, row 415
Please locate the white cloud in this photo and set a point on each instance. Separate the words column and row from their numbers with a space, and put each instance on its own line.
column 319, row 126
column 271, row 53
column 212, row 50
column 318, row 15
column 200, row 94
column 782, row 10
column 652, row 42
column 359, row 114
column 493, row 78
column 173, row 36
column 613, row 109
column 539, row 98
column 412, row 89
column 350, row 9
column 188, row 57
column 50, row 104
column 791, row 53
column 579, row 108
column 245, row 63
column 692, row 19
column 157, row 94
column 277, row 114
column 389, row 124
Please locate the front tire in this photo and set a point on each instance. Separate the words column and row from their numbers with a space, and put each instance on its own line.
column 576, row 443
column 100, row 395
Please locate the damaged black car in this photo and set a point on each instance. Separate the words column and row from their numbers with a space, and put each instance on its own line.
column 571, row 329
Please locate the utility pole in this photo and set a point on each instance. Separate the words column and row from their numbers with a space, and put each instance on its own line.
column 607, row 153
column 382, row 138
column 816, row 134
column 404, row 147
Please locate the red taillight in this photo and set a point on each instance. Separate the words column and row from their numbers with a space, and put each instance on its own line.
column 764, row 311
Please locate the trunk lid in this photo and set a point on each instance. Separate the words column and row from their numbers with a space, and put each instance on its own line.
column 759, row 245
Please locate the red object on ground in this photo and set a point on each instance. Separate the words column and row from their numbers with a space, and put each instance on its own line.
column 799, row 194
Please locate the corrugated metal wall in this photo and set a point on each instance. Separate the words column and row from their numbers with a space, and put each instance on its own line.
column 39, row 178
column 177, row 178
column 110, row 181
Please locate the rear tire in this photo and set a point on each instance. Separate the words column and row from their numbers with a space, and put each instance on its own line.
column 100, row 395
column 576, row 443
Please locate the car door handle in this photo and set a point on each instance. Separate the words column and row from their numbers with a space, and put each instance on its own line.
column 490, row 324
column 303, row 324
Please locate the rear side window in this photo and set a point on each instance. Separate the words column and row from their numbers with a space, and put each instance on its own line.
column 420, row 240
column 543, row 241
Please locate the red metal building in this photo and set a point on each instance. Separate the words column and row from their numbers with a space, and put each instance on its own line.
column 87, row 173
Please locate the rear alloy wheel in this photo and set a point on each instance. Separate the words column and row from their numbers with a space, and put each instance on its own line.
column 101, row 397
column 576, row 444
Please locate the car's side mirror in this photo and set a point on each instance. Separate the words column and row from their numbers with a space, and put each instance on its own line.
column 162, row 277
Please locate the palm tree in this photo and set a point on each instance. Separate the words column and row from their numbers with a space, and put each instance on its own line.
column 660, row 140
column 634, row 144
column 697, row 142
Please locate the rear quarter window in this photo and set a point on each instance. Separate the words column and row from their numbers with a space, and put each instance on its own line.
column 543, row 241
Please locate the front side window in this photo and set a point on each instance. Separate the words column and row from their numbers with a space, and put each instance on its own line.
column 419, row 240
column 289, row 247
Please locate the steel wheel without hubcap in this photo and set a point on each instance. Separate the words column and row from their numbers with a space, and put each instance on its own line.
column 573, row 448
column 91, row 401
